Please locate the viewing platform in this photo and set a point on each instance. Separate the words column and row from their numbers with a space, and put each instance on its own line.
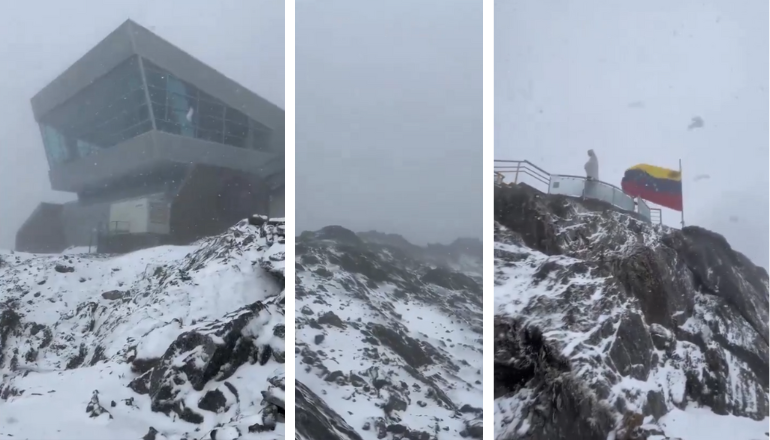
column 524, row 171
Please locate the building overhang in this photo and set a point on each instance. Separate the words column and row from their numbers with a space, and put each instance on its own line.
column 276, row 181
column 156, row 149
column 132, row 39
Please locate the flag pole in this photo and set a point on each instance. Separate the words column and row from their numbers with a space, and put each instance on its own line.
column 681, row 179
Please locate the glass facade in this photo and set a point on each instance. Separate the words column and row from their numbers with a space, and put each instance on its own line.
column 114, row 109
column 111, row 110
column 181, row 108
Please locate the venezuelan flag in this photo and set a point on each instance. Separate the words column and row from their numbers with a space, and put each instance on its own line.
column 655, row 184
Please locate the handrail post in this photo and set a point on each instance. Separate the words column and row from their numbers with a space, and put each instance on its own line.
column 516, row 176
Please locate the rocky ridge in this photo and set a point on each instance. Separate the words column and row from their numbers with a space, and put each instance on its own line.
column 388, row 346
column 462, row 255
column 168, row 343
column 605, row 323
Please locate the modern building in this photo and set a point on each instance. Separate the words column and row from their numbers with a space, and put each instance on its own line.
column 159, row 148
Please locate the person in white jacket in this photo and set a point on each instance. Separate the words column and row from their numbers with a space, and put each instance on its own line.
column 592, row 175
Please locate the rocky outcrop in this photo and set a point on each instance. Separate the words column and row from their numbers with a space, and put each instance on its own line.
column 211, row 352
column 315, row 419
column 463, row 254
column 607, row 319
column 388, row 342
column 199, row 330
column 557, row 405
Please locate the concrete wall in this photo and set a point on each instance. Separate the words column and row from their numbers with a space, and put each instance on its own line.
column 278, row 204
column 126, row 158
column 159, row 221
column 197, row 212
column 130, row 216
column 43, row 231
column 152, row 150
column 80, row 221
column 124, row 243
column 191, row 211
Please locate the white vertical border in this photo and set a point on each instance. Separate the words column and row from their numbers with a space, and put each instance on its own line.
column 290, row 217
column 488, row 215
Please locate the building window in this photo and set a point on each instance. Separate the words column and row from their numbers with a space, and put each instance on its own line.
column 181, row 108
column 55, row 148
column 109, row 111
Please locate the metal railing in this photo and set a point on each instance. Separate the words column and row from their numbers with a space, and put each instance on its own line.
column 523, row 171
column 643, row 208
column 517, row 171
column 656, row 216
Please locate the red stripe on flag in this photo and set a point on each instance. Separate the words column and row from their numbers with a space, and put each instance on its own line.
column 672, row 201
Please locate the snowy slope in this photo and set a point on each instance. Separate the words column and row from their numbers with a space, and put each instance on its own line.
column 702, row 424
column 174, row 342
column 387, row 346
column 608, row 327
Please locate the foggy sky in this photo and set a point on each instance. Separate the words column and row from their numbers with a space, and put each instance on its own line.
column 243, row 40
column 389, row 117
column 566, row 72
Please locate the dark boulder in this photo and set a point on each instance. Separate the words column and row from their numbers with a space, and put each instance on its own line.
column 114, row 295
column 397, row 428
column 474, row 429
column 94, row 408
column 406, row 347
column 524, row 358
column 61, row 268
column 213, row 351
column 214, row 401
column 664, row 299
column 718, row 270
column 655, row 405
column 330, row 318
column 258, row 427
column 631, row 350
column 394, row 404
column 152, row 434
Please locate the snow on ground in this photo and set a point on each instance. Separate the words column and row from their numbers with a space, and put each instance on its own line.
column 702, row 424
column 437, row 377
column 347, row 347
column 61, row 398
column 85, row 317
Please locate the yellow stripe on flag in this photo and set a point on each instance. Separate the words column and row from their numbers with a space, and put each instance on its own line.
column 658, row 172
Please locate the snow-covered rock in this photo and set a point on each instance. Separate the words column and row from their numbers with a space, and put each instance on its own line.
column 388, row 345
column 605, row 325
column 173, row 342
